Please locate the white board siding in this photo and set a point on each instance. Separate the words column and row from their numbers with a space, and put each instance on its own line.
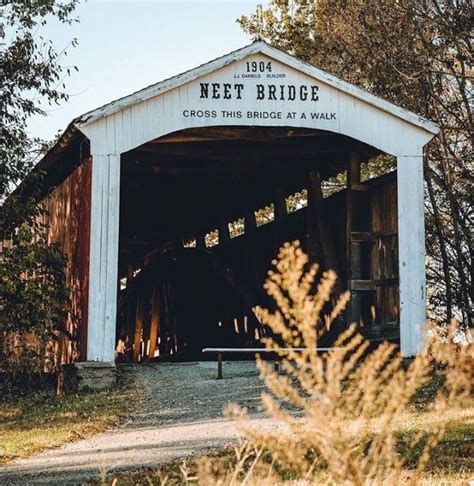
column 163, row 114
column 159, row 110
column 258, row 47
column 103, row 265
column 411, row 251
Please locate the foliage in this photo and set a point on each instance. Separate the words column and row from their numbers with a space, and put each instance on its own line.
column 40, row 421
column 33, row 304
column 33, row 299
column 31, row 75
column 417, row 54
column 347, row 417
column 337, row 414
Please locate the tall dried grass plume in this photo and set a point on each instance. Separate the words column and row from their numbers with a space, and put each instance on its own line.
column 337, row 414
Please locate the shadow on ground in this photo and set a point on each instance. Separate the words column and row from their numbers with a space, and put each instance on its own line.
column 181, row 416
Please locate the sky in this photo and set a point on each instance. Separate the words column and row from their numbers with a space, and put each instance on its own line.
column 125, row 46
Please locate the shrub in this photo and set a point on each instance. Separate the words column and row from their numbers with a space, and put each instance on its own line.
column 33, row 305
column 337, row 414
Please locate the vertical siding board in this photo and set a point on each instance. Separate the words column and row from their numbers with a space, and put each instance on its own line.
column 126, row 139
column 119, row 131
column 68, row 223
column 411, row 247
column 83, row 233
column 146, row 120
column 111, row 271
column 95, row 329
column 384, row 255
column 110, row 134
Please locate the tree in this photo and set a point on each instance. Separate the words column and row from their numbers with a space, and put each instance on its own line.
column 33, row 304
column 417, row 54
column 31, row 76
column 33, row 296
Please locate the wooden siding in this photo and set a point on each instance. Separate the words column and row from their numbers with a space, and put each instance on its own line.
column 183, row 103
column 170, row 111
column 384, row 254
column 201, row 287
column 232, row 64
column 68, row 220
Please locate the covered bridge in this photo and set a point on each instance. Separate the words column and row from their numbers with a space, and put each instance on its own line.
column 157, row 200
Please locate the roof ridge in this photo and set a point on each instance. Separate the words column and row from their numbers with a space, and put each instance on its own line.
column 80, row 119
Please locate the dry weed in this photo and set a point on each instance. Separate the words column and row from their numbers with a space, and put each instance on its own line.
column 337, row 413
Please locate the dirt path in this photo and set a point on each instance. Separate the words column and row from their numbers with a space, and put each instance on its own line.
column 183, row 416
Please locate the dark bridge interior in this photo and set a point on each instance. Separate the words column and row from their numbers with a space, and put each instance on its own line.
column 204, row 211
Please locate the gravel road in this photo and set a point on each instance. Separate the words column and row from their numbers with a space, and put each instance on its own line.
column 181, row 417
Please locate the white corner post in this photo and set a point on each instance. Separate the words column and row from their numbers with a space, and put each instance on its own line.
column 411, row 258
column 103, row 264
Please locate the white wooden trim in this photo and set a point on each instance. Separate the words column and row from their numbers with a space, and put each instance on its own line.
column 159, row 109
column 411, row 259
column 254, row 48
column 262, row 350
column 103, row 265
column 170, row 112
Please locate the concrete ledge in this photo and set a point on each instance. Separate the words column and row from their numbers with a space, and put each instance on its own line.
column 94, row 364
column 95, row 375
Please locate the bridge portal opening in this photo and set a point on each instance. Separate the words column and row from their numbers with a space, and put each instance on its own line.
column 203, row 212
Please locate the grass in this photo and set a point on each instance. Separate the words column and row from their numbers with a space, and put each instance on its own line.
column 32, row 423
column 452, row 464
column 452, row 461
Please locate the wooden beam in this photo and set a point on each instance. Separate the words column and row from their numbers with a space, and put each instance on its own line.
column 201, row 242
column 250, row 223
column 279, row 217
column 316, row 206
column 281, row 211
column 362, row 236
column 411, row 247
column 130, row 310
column 103, row 257
column 138, row 329
column 224, row 233
column 221, row 152
column 360, row 187
column 237, row 159
column 353, row 250
column 240, row 133
column 163, row 331
column 155, row 321
column 362, row 285
column 371, row 236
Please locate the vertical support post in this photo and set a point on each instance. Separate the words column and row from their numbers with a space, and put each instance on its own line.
column 103, row 264
column 411, row 250
column 155, row 321
column 353, row 250
column 279, row 218
column 201, row 242
column 146, row 325
column 130, row 310
column 319, row 224
column 224, row 233
column 219, row 366
column 250, row 222
column 137, row 339
column 276, row 366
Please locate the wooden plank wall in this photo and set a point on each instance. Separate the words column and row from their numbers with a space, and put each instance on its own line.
column 222, row 283
column 68, row 219
column 384, row 255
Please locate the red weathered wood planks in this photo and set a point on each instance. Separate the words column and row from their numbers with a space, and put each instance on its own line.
column 68, row 222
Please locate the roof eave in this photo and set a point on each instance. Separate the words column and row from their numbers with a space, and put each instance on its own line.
column 167, row 84
column 351, row 89
column 266, row 49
